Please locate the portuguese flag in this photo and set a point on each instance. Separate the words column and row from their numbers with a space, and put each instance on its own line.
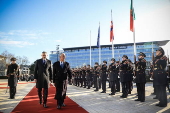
column 132, row 16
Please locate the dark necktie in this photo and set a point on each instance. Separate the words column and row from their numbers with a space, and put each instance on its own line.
column 61, row 65
column 44, row 62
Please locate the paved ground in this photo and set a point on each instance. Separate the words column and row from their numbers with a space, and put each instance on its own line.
column 93, row 102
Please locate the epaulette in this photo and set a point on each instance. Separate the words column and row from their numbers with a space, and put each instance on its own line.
column 164, row 58
column 143, row 60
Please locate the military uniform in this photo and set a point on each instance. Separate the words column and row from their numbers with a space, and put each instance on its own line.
column 160, row 78
column 96, row 75
column 88, row 77
column 130, row 76
column 104, row 76
column 113, row 76
column 118, row 78
column 12, row 73
column 84, row 76
column 124, row 77
column 141, row 78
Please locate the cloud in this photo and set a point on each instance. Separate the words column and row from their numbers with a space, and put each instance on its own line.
column 58, row 40
column 16, row 43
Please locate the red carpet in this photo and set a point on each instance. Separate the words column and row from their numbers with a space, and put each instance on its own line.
column 4, row 87
column 30, row 104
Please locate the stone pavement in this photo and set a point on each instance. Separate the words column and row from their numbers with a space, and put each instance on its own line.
column 7, row 105
column 93, row 102
column 96, row 102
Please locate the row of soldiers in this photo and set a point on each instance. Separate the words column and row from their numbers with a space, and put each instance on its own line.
column 125, row 72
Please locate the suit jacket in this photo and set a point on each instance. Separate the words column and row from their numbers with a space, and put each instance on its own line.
column 60, row 74
column 43, row 73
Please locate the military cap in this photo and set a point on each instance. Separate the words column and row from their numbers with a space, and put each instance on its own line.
column 13, row 59
column 125, row 56
column 112, row 59
column 142, row 54
column 96, row 63
column 105, row 61
column 117, row 61
column 161, row 50
column 129, row 60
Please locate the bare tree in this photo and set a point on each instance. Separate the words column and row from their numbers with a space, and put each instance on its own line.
column 8, row 56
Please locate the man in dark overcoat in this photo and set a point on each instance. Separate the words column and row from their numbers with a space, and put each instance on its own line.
column 61, row 71
column 43, row 77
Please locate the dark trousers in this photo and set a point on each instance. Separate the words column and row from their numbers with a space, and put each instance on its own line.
column 89, row 83
column 141, row 91
column 45, row 94
column 130, row 86
column 161, row 94
column 104, row 85
column 100, row 83
column 118, row 84
column 112, row 85
column 125, row 89
column 96, row 85
column 12, row 91
column 85, row 83
column 59, row 89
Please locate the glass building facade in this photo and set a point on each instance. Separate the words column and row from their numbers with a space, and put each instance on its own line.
column 79, row 56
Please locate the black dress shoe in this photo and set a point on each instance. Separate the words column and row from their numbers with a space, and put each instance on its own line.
column 63, row 105
column 58, row 107
column 40, row 102
column 96, row 90
column 88, row 88
column 11, row 98
column 155, row 98
column 112, row 94
column 157, row 105
column 123, row 96
column 45, row 105
column 103, row 92
column 137, row 100
column 117, row 90
column 142, row 101
column 162, row 105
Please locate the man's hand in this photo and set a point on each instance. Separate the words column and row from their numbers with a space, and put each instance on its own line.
column 35, row 80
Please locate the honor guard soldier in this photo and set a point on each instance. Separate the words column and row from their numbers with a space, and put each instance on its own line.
column 88, row 74
column 104, row 76
column 96, row 75
column 12, row 74
column 118, row 78
column 130, row 75
column 113, row 75
column 160, row 77
column 141, row 77
column 84, row 76
column 124, row 76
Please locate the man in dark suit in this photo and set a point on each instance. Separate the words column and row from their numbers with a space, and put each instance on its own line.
column 61, row 69
column 42, row 77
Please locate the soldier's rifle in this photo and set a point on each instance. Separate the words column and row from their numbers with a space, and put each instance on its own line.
column 168, row 64
column 135, row 66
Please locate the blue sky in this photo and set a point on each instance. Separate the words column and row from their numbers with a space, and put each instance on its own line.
column 28, row 27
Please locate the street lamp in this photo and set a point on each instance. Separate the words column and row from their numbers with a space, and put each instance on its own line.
column 57, row 48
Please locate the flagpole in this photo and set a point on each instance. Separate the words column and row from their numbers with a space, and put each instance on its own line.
column 90, row 48
column 112, row 40
column 99, row 47
column 133, row 31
